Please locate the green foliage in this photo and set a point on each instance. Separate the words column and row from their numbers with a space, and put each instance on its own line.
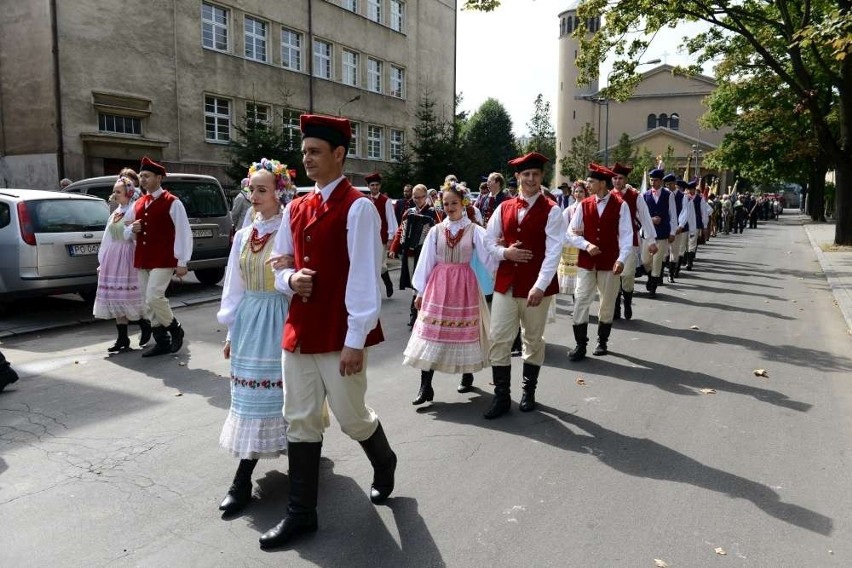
column 434, row 145
column 643, row 161
column 584, row 149
column 398, row 174
column 623, row 152
column 256, row 140
column 487, row 142
column 542, row 136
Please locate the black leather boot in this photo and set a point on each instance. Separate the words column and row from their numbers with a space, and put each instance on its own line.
column 388, row 284
column 7, row 373
column 145, row 331
column 383, row 459
column 176, row 332
column 617, row 313
column 690, row 258
column 301, row 516
column 122, row 343
column 412, row 314
column 162, row 342
column 671, row 266
column 501, row 403
column 581, row 336
column 603, row 337
column 628, row 305
column 466, row 383
column 530, row 381
column 426, row 393
column 652, row 286
column 239, row 494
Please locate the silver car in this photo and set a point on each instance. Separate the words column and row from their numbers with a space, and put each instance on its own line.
column 49, row 243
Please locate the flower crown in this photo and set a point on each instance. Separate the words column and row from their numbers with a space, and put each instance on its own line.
column 465, row 200
column 276, row 168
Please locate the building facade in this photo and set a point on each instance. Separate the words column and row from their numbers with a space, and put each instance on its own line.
column 90, row 86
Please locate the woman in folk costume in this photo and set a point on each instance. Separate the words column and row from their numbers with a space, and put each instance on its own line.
column 118, row 295
column 254, row 313
column 450, row 334
column 567, row 271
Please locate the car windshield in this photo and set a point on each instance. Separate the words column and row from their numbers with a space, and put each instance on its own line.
column 200, row 198
column 67, row 215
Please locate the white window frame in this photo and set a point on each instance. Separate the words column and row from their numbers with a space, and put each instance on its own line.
column 375, row 142
column 290, row 126
column 258, row 112
column 351, row 5
column 354, row 142
column 256, row 40
column 374, row 10
column 289, row 51
column 119, row 124
column 349, row 63
column 397, row 16
column 213, row 25
column 219, row 118
column 397, row 82
column 397, row 144
column 323, row 58
column 374, row 75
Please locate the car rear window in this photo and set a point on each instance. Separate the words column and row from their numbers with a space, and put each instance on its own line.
column 199, row 198
column 67, row 215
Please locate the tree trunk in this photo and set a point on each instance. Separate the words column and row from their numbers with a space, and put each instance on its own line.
column 816, row 191
column 843, row 203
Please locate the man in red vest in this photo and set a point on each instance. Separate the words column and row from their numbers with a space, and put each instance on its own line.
column 163, row 247
column 388, row 219
column 531, row 230
column 602, row 230
column 333, row 235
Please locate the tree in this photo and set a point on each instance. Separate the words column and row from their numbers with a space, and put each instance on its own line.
column 257, row 139
column 623, row 153
column 434, row 144
column 807, row 45
column 584, row 149
column 542, row 136
column 487, row 142
column 398, row 174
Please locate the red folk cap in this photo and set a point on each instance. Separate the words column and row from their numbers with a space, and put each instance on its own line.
column 335, row 131
column 530, row 161
column 597, row 171
column 149, row 165
column 374, row 177
column 622, row 170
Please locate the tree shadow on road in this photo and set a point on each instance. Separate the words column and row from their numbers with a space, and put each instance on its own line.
column 724, row 307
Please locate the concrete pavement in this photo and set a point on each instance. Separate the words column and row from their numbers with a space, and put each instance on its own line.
column 836, row 263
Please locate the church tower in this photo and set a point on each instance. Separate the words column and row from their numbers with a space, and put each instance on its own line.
column 573, row 108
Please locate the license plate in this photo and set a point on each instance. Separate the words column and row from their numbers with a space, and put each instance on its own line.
column 202, row 233
column 83, row 250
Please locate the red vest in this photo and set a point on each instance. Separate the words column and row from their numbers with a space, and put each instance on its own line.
column 319, row 324
column 381, row 205
column 521, row 276
column 601, row 231
column 155, row 244
column 630, row 196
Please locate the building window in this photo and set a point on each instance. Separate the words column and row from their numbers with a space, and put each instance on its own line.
column 674, row 121
column 375, row 134
column 663, row 120
column 351, row 5
column 374, row 75
column 397, row 16
column 350, row 68
column 214, row 27
column 119, row 124
column 291, row 133
column 322, row 59
column 257, row 114
column 397, row 82
column 397, row 144
column 217, row 119
column 354, row 146
column 374, row 10
column 291, row 50
column 652, row 121
column 255, row 34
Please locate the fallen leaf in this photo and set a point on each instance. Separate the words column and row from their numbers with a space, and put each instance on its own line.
column 581, row 381
column 660, row 563
column 179, row 394
column 795, row 302
column 761, row 373
column 694, row 327
column 720, row 551
column 765, row 301
column 708, row 391
column 181, row 364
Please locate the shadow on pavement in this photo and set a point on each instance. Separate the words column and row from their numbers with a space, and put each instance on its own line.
column 724, row 307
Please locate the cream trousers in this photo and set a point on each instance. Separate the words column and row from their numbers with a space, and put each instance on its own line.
column 507, row 313
column 606, row 284
column 655, row 261
column 153, row 283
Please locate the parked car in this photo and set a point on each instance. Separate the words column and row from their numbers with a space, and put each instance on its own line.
column 208, row 212
column 49, row 243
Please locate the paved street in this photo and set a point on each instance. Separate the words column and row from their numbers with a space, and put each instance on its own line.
column 113, row 461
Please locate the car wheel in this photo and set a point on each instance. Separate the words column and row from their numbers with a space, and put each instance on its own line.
column 210, row 276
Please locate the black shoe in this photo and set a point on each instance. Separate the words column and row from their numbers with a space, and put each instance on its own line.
column 383, row 459
column 690, row 258
column 581, row 336
column 239, row 495
column 7, row 373
column 671, row 267
column 162, row 343
column 426, row 393
column 604, row 330
column 145, row 332
column 501, row 403
column 122, row 343
column 176, row 331
column 388, row 284
column 530, row 381
column 628, row 305
column 466, row 383
column 653, row 281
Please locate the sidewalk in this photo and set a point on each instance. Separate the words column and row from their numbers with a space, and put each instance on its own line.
column 837, row 265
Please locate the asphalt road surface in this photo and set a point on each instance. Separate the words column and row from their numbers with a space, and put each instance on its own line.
column 113, row 461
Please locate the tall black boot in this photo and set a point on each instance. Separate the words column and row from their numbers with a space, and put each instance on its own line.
column 162, row 342
column 412, row 313
column 144, row 331
column 383, row 459
column 425, row 394
column 690, row 258
column 176, row 332
column 530, row 381
column 388, row 284
column 517, row 345
column 7, row 373
column 239, row 494
column 671, row 266
column 617, row 313
column 652, row 286
column 466, row 383
column 603, row 337
column 501, row 403
column 581, row 336
column 628, row 305
column 301, row 515
column 122, row 343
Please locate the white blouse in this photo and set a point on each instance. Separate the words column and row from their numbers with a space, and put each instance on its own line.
column 107, row 238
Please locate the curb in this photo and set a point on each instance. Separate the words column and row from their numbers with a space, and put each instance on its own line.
column 841, row 293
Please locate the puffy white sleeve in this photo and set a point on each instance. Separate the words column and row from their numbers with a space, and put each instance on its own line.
column 574, row 233
column 555, row 232
column 284, row 245
column 233, row 287
column 363, row 299
column 495, row 232
column 183, row 233
column 391, row 217
column 106, row 239
column 427, row 260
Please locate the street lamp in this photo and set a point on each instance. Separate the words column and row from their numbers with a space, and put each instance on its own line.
column 352, row 100
column 606, row 102
column 696, row 153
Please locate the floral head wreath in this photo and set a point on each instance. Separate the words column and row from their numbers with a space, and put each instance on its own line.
column 276, row 168
column 133, row 192
column 460, row 188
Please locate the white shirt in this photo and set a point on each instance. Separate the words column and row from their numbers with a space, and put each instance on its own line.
column 129, row 212
column 554, row 231
column 483, row 248
column 389, row 215
column 183, row 232
column 574, row 234
column 687, row 214
column 646, row 224
column 363, row 297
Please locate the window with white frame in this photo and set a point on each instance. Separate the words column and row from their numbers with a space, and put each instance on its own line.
column 291, row 49
column 257, row 114
column 375, row 135
column 217, row 119
column 354, row 146
column 119, row 124
column 374, row 75
column 351, row 5
column 350, row 68
column 374, row 10
column 255, row 39
column 397, row 144
column 322, row 59
column 397, row 81
column 397, row 15
column 214, row 27
column 292, row 134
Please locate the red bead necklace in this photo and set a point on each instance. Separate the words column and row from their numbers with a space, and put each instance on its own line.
column 256, row 243
column 451, row 240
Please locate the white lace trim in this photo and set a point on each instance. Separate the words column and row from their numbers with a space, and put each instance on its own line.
column 266, row 226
